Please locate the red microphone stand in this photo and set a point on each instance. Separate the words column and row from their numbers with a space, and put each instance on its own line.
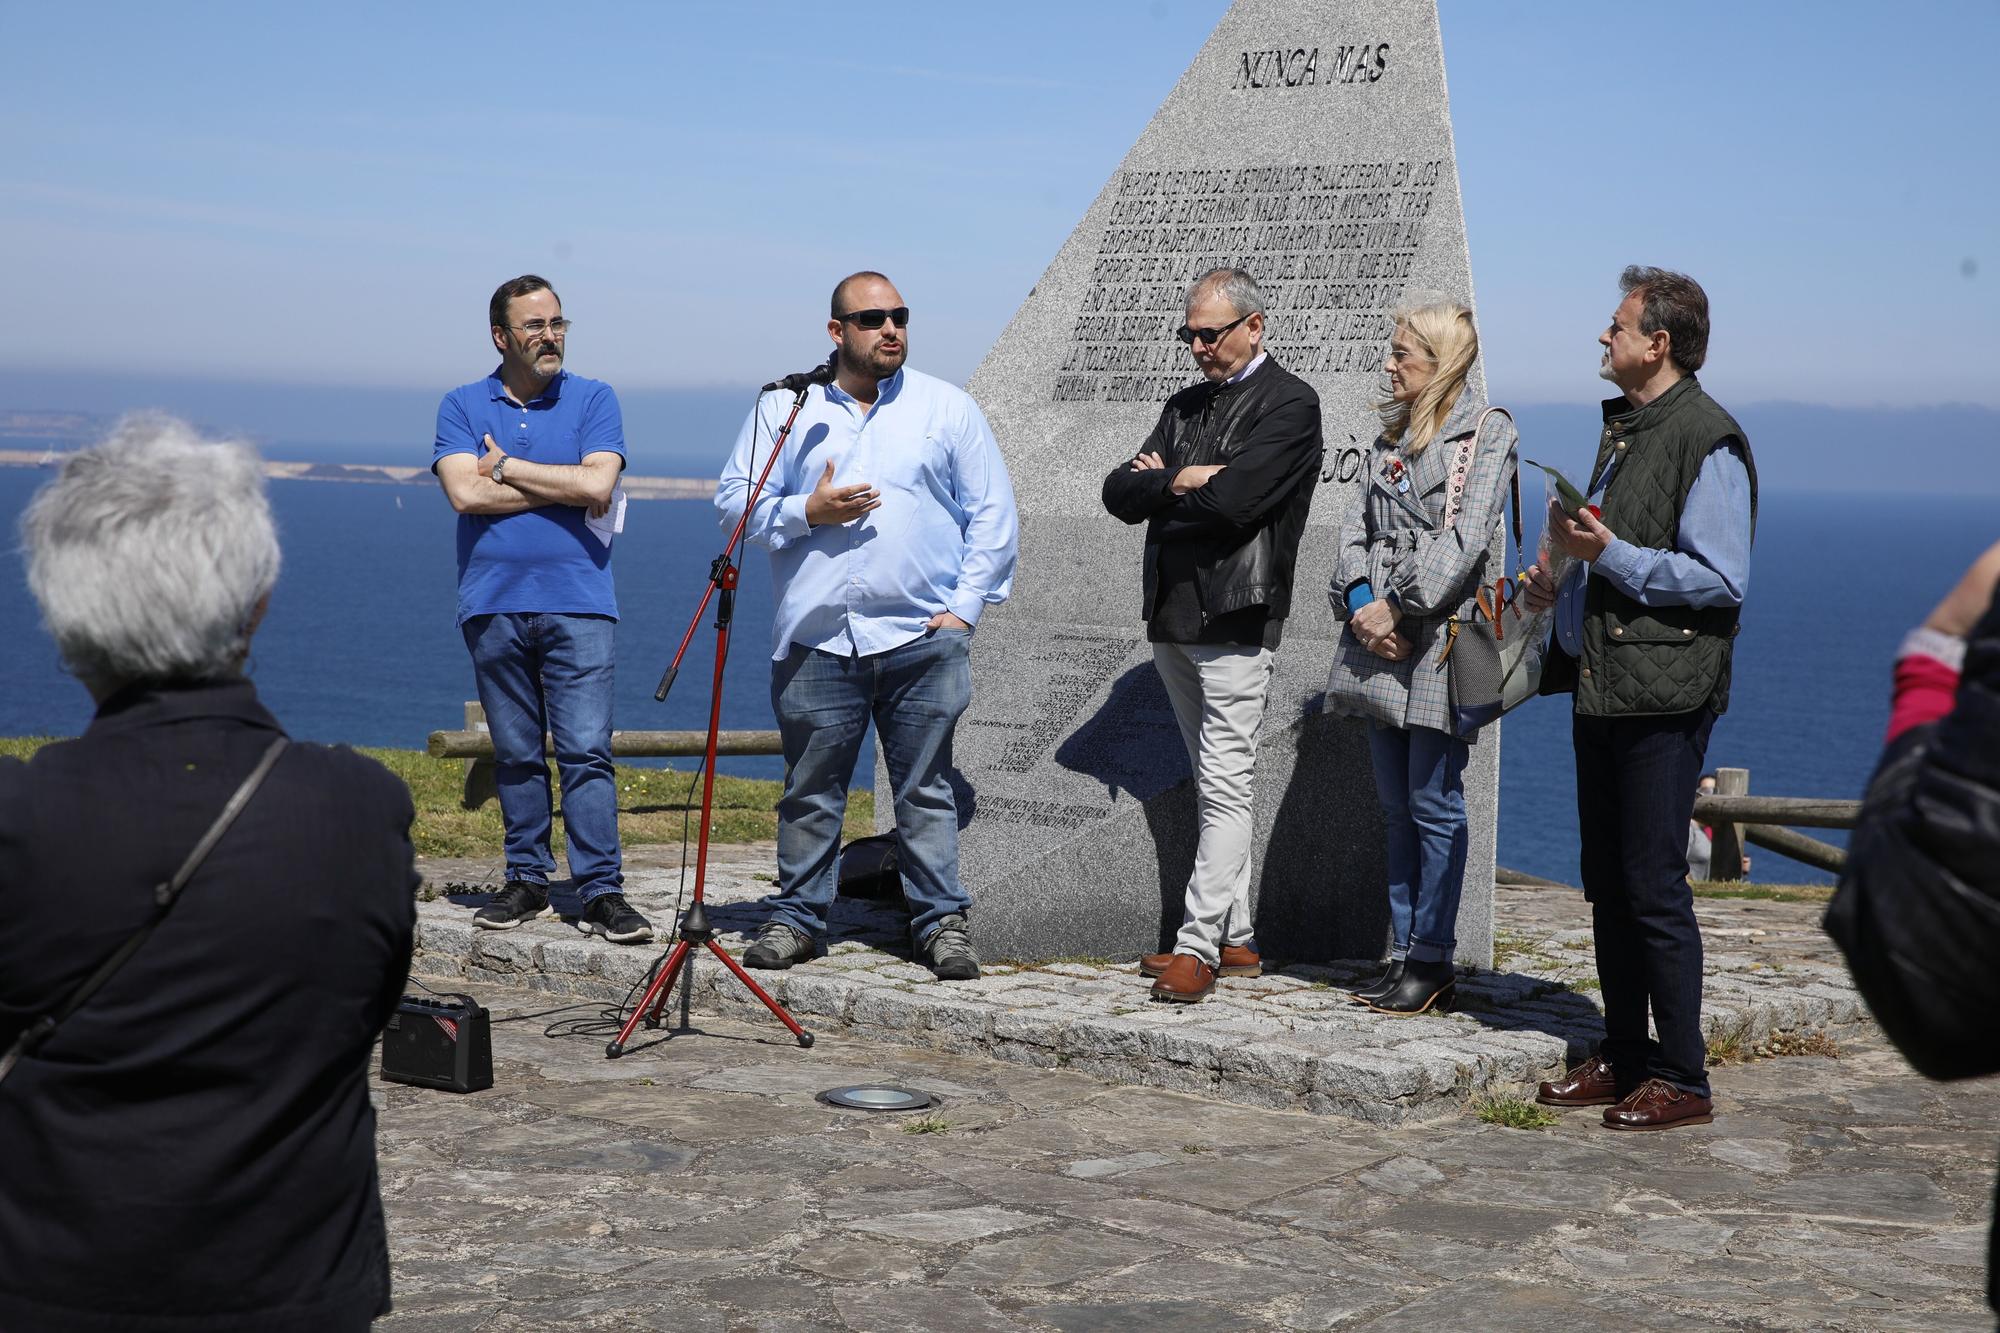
column 694, row 927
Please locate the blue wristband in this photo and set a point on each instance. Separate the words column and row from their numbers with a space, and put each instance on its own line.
column 1359, row 596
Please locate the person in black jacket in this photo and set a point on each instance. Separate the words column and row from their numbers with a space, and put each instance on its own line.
column 193, row 1147
column 1918, row 908
column 1223, row 484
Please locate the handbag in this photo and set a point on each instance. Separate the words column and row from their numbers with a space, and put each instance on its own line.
column 1488, row 673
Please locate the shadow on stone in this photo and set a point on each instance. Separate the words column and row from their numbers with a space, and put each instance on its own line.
column 1520, row 1002
column 1342, row 912
column 1101, row 748
column 1131, row 744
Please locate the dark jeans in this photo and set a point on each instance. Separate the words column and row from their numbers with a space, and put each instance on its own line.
column 915, row 694
column 1635, row 780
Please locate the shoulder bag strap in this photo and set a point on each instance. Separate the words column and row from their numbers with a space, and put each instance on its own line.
column 164, row 894
column 1461, row 465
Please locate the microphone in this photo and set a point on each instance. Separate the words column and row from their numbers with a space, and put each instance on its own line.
column 822, row 374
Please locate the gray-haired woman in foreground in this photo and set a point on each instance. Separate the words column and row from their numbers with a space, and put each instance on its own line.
column 193, row 1147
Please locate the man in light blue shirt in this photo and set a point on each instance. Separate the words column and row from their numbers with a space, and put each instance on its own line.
column 891, row 526
column 1646, row 619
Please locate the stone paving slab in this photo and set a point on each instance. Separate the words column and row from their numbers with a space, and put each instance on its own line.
column 1290, row 1040
column 697, row 1184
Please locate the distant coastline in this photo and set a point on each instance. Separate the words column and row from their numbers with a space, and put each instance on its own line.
column 384, row 474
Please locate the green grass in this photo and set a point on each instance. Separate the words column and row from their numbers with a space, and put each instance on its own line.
column 1512, row 1112
column 929, row 1124
column 1512, row 950
column 654, row 804
column 1775, row 893
column 1731, row 1046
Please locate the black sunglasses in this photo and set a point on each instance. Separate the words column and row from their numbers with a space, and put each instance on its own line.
column 1209, row 336
column 875, row 319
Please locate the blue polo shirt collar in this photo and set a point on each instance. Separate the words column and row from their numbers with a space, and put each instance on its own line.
column 496, row 387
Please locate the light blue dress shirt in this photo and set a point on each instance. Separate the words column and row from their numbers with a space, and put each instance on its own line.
column 1710, row 562
column 944, row 537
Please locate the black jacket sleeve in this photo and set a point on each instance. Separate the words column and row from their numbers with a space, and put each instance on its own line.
column 1918, row 909
column 1281, row 451
column 1136, row 496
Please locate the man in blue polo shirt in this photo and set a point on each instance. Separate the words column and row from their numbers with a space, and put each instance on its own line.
column 529, row 456
column 891, row 526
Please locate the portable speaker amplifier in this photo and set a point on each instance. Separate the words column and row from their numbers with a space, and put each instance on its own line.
column 441, row 1041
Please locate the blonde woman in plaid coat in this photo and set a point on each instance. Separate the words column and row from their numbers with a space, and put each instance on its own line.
column 1402, row 572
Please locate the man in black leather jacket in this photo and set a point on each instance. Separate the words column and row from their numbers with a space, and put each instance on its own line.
column 1918, row 909
column 1223, row 484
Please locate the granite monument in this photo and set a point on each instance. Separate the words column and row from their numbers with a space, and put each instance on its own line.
column 1310, row 142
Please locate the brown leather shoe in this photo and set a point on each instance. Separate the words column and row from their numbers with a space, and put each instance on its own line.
column 1589, row 1084
column 1658, row 1104
column 1187, row 980
column 1237, row 961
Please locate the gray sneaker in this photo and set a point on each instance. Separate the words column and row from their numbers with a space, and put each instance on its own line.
column 948, row 951
column 779, row 946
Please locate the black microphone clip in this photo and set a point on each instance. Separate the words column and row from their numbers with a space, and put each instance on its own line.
column 805, row 379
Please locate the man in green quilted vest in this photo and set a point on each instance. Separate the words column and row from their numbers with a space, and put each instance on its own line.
column 1645, row 621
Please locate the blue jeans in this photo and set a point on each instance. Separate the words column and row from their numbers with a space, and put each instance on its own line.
column 540, row 672
column 1419, row 780
column 915, row 694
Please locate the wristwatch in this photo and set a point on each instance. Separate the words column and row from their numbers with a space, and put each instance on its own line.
column 499, row 464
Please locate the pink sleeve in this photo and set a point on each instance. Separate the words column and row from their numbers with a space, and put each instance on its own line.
column 1925, row 689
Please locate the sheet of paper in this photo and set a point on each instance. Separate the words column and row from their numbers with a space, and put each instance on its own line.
column 612, row 521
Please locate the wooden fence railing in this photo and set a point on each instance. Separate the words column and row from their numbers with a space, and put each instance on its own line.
column 474, row 745
column 1736, row 816
column 1768, row 822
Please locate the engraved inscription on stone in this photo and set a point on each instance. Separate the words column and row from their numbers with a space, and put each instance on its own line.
column 1039, row 814
column 1075, row 665
column 1358, row 64
column 1332, row 244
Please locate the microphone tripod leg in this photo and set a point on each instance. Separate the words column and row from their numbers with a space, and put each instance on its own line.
column 657, row 990
column 805, row 1037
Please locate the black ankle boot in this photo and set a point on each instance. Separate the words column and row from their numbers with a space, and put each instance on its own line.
column 1423, row 986
column 1382, row 985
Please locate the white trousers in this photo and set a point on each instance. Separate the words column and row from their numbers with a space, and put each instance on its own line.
column 1218, row 693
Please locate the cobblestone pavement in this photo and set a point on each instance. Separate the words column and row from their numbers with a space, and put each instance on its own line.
column 1289, row 1040
column 696, row 1184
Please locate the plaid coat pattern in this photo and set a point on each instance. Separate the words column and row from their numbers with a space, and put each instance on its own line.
column 1397, row 543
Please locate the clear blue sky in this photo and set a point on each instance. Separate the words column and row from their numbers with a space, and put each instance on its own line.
column 326, row 193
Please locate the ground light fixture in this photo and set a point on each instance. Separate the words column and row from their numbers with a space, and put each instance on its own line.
column 877, row 1097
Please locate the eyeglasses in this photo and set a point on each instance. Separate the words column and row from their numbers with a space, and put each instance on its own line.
column 1210, row 336
column 875, row 319
column 1398, row 356
column 535, row 328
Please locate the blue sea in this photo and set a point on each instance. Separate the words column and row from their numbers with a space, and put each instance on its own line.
column 360, row 645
